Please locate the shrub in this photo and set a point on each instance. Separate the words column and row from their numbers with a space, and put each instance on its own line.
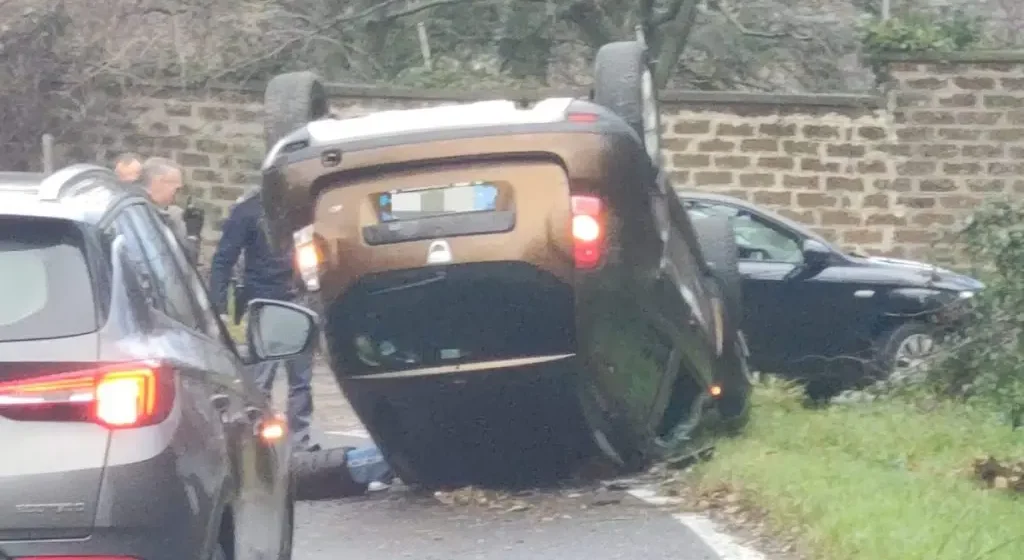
column 955, row 31
column 986, row 362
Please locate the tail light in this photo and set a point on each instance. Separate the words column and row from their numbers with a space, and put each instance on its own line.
column 273, row 429
column 588, row 231
column 307, row 258
column 117, row 396
column 581, row 117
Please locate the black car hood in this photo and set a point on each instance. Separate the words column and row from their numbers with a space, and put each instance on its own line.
column 916, row 274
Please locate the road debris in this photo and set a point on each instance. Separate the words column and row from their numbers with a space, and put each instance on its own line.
column 1007, row 476
column 490, row 499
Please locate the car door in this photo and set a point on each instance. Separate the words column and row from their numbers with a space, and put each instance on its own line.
column 201, row 445
column 256, row 465
column 793, row 324
column 677, row 293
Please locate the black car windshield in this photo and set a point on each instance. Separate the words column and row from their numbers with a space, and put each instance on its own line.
column 45, row 289
column 754, row 236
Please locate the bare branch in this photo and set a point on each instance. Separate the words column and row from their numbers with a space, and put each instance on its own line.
column 669, row 14
column 730, row 12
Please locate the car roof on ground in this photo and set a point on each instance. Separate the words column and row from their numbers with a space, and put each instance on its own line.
column 498, row 112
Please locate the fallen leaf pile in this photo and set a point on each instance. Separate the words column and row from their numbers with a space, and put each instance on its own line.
column 490, row 499
column 1000, row 475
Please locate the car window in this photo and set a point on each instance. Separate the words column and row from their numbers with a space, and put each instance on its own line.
column 122, row 225
column 167, row 280
column 757, row 239
column 46, row 290
column 210, row 322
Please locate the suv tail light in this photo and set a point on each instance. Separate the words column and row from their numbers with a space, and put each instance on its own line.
column 307, row 257
column 588, row 231
column 126, row 395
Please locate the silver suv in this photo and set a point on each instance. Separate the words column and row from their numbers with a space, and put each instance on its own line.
column 127, row 428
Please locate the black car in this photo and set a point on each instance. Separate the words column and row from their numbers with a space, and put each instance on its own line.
column 127, row 428
column 815, row 312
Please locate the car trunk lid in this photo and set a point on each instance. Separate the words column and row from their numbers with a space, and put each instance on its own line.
column 53, row 459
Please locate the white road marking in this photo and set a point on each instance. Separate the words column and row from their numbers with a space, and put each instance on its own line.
column 361, row 434
column 725, row 546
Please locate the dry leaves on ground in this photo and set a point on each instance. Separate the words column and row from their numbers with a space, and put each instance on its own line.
column 1000, row 475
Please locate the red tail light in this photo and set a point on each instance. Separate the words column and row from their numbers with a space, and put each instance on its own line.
column 588, row 231
column 582, row 117
column 117, row 396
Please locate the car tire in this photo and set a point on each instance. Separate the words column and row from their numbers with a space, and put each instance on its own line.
column 718, row 245
column 734, row 404
column 624, row 83
column 890, row 344
column 323, row 474
column 290, row 101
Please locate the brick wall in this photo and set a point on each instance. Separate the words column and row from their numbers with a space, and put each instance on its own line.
column 890, row 174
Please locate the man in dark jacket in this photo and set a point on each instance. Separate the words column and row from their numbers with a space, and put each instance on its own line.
column 265, row 275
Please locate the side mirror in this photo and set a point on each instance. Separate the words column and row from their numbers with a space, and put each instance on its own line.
column 279, row 329
column 817, row 255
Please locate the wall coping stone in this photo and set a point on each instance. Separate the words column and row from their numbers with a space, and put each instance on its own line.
column 939, row 57
column 670, row 96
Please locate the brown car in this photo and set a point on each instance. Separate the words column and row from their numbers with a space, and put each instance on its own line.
column 507, row 287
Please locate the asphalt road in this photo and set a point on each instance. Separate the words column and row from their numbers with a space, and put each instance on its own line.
column 597, row 522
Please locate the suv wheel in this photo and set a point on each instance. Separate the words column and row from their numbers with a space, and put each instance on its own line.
column 290, row 101
column 624, row 83
column 718, row 245
column 734, row 404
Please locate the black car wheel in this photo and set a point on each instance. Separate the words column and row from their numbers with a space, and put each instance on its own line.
column 290, row 101
column 624, row 83
column 901, row 351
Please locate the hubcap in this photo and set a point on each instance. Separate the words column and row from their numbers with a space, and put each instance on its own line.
column 912, row 352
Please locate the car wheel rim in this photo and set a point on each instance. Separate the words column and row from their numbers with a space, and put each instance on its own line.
column 912, row 352
column 651, row 118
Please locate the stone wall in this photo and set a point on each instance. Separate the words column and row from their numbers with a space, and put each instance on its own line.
column 891, row 174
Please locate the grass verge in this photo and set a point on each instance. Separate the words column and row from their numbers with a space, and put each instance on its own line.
column 880, row 481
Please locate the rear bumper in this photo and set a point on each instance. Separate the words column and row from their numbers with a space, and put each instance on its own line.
column 149, row 543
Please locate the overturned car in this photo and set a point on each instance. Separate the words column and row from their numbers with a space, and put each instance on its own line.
column 505, row 288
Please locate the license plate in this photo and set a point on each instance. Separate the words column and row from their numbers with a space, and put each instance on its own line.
column 417, row 204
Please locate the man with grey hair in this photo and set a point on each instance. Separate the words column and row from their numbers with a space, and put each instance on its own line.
column 162, row 179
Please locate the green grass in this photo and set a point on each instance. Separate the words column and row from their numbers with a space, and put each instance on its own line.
column 879, row 481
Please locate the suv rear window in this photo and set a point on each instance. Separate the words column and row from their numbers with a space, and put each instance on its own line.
column 45, row 288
